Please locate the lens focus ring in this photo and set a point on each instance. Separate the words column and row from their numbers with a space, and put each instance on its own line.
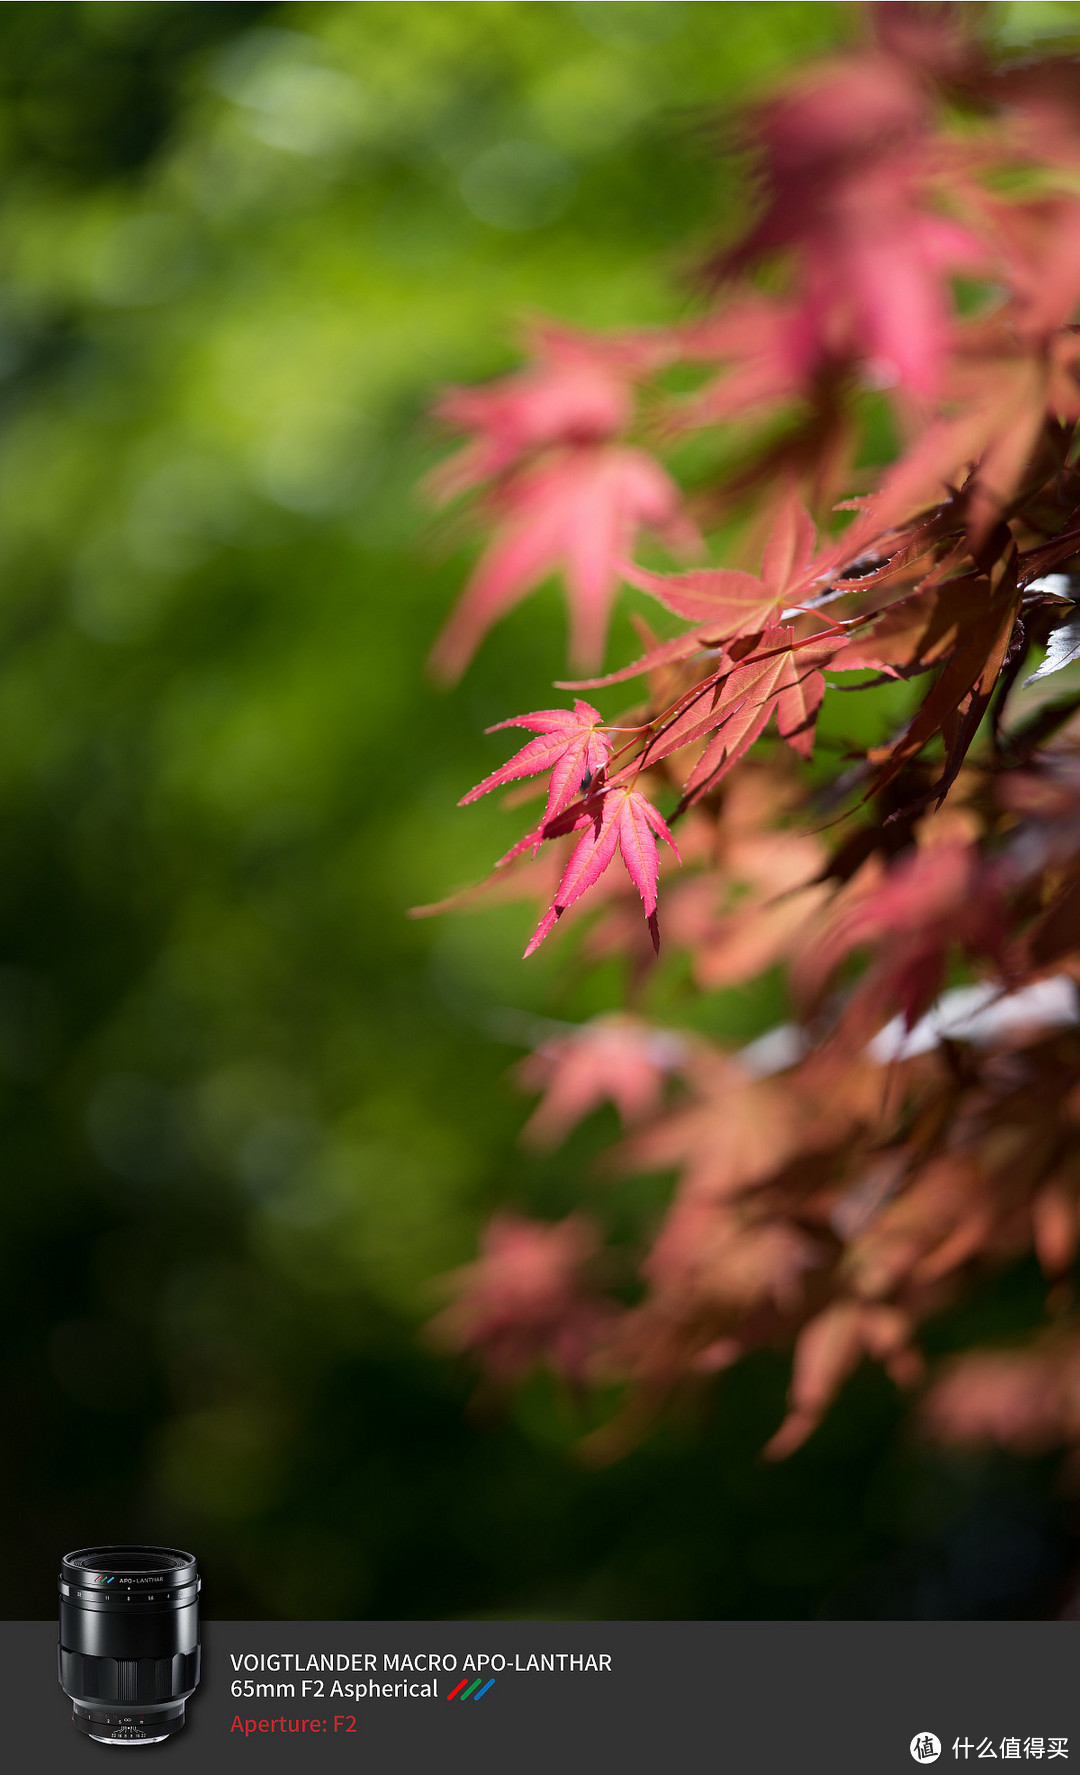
column 128, row 1679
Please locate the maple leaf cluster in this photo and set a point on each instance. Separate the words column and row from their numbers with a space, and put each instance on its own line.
column 913, row 252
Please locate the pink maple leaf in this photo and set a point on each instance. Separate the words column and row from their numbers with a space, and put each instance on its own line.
column 620, row 819
column 569, row 746
column 768, row 352
column 1022, row 1399
column 578, row 390
column 578, row 510
column 525, row 1299
column 614, row 1058
column 828, row 1349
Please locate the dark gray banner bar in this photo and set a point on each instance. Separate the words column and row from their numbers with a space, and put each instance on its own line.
column 581, row 1698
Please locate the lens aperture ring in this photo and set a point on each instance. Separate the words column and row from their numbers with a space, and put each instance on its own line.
column 128, row 1725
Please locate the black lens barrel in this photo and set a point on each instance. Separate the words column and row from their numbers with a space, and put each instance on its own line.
column 129, row 1640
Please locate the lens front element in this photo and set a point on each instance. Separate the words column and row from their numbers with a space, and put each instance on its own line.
column 129, row 1640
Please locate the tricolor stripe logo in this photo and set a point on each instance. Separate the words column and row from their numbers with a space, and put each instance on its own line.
column 475, row 1684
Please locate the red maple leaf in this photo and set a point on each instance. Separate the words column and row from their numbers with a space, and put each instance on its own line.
column 1001, row 402
column 772, row 673
column 848, row 167
column 619, row 818
column 911, row 916
column 579, row 510
column 569, row 745
column 836, row 1185
column 961, row 696
column 922, row 629
column 727, row 602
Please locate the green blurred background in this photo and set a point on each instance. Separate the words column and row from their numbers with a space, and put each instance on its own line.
column 247, row 1109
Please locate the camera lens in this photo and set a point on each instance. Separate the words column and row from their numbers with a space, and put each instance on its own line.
column 129, row 1640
